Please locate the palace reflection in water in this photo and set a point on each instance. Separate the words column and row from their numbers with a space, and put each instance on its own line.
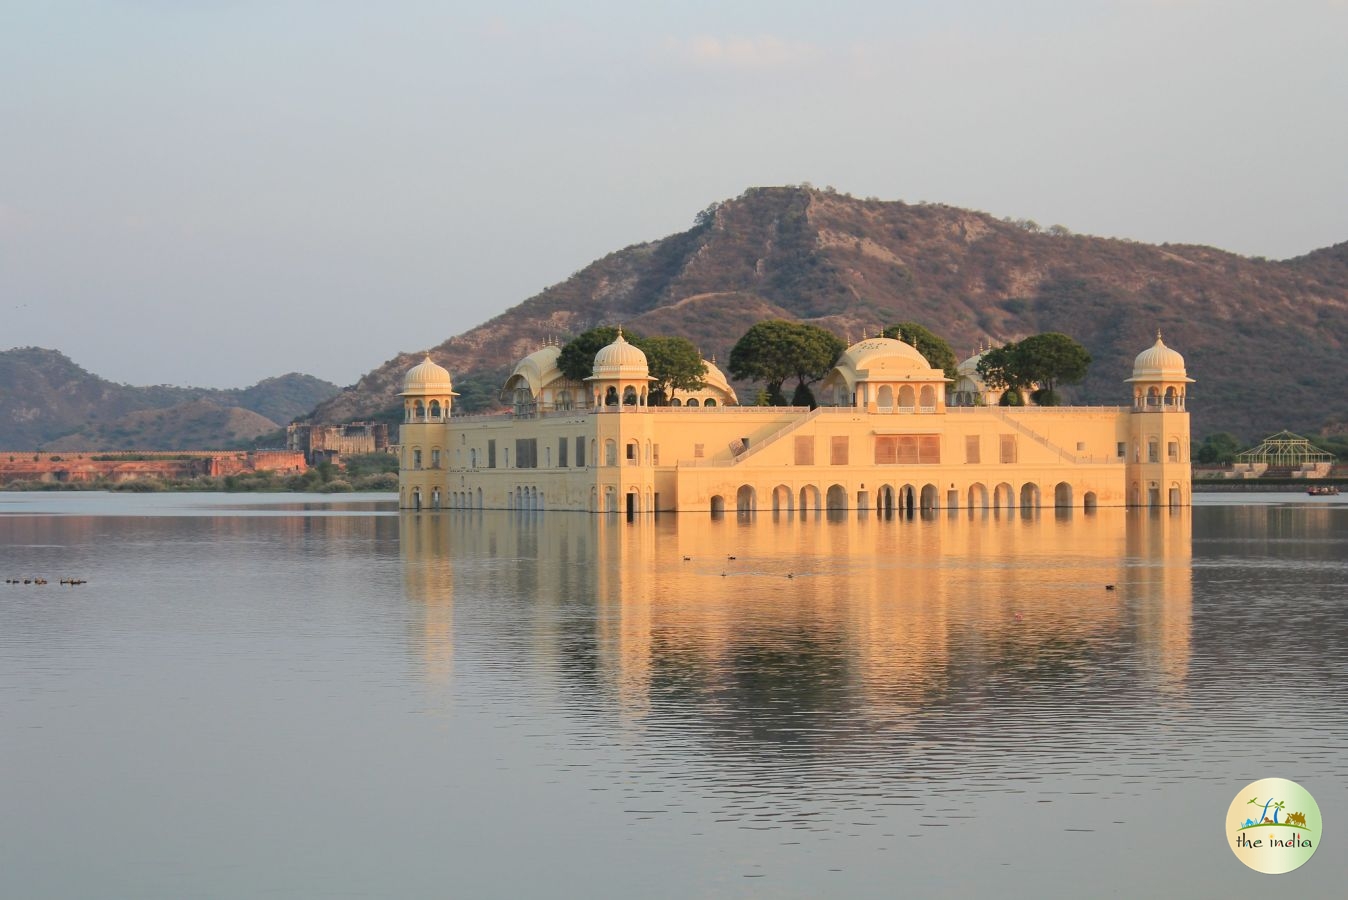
column 799, row 633
column 323, row 696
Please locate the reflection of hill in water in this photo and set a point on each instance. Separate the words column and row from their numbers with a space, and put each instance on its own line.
column 898, row 627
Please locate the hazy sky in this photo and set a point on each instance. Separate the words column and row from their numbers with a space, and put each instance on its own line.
column 217, row 191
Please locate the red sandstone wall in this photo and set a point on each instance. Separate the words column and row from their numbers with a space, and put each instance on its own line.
column 80, row 467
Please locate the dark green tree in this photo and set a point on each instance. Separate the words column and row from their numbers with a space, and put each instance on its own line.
column 774, row 350
column 1051, row 359
column 577, row 357
column 998, row 367
column 803, row 396
column 1046, row 360
column 675, row 365
column 935, row 349
column 1218, row 449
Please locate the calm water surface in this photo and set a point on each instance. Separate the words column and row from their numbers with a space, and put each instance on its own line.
column 316, row 697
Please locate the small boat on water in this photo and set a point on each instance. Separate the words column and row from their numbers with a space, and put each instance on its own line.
column 1325, row 490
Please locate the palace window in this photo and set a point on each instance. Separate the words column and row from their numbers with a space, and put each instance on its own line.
column 805, row 450
column 907, row 449
column 526, row 453
column 972, row 449
column 838, row 450
column 1006, row 448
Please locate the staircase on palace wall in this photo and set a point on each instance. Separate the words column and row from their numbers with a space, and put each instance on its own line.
column 1038, row 438
column 1005, row 415
column 778, row 435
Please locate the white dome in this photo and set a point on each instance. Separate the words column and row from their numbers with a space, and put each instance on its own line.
column 969, row 367
column 884, row 359
column 1158, row 362
column 536, row 370
column 715, row 378
column 884, row 356
column 620, row 359
column 427, row 377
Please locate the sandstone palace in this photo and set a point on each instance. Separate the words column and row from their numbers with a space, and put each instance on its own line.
column 891, row 433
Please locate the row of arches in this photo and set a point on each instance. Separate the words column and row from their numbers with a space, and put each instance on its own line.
column 526, row 498
column 1153, row 399
column 890, row 498
column 909, row 399
column 432, row 412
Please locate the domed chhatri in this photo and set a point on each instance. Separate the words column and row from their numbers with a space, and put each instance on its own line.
column 1160, row 381
column 428, row 396
column 427, row 376
column 1158, row 362
column 620, row 359
column 883, row 372
column 892, row 433
column 621, row 376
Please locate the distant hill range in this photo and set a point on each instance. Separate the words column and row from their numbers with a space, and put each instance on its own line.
column 49, row 402
column 1265, row 340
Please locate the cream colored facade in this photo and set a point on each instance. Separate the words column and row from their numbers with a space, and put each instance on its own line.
column 886, row 439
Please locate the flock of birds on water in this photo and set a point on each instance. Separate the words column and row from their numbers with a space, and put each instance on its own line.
column 69, row 581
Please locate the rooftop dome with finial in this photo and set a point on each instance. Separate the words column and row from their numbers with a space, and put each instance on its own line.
column 1159, row 362
column 427, row 377
column 620, row 359
column 881, row 357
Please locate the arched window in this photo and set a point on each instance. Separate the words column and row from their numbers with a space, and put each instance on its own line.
column 710, row 402
column 629, row 396
column 435, row 409
column 611, row 396
column 610, row 453
column 928, row 398
column 418, row 411
column 675, row 401
column 564, row 399
column 885, row 399
column 907, row 399
column 692, row 402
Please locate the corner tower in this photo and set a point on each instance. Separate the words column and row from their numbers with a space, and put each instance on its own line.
column 620, row 383
column 1159, row 468
column 428, row 396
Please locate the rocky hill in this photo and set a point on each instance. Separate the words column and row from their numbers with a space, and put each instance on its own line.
column 1265, row 339
column 46, row 400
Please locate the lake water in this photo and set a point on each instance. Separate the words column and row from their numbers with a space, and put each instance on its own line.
column 304, row 696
